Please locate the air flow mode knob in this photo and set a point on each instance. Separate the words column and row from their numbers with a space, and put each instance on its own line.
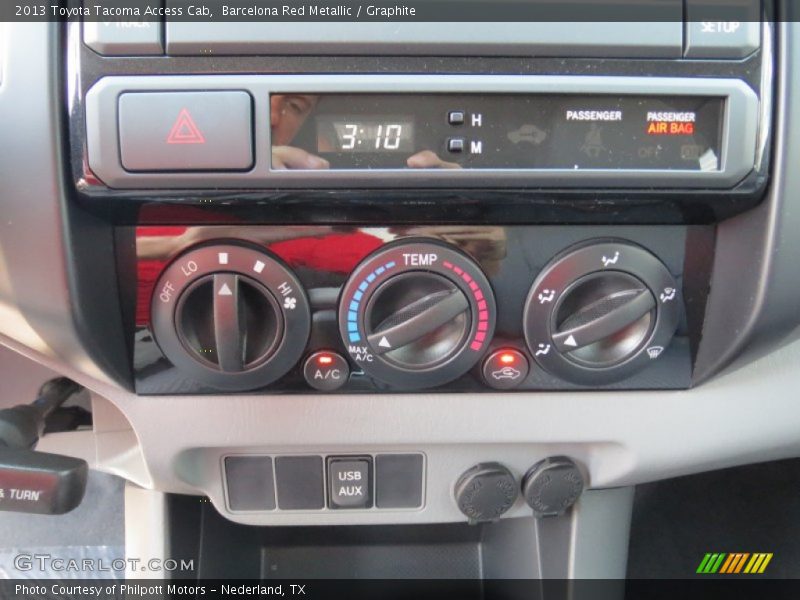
column 600, row 312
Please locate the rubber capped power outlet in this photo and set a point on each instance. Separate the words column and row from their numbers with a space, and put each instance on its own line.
column 552, row 486
column 486, row 492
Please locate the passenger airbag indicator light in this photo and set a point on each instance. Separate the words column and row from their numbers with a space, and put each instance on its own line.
column 671, row 123
column 663, row 128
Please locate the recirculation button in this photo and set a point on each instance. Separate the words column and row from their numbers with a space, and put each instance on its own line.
column 505, row 369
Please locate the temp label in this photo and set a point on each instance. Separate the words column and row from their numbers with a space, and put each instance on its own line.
column 420, row 260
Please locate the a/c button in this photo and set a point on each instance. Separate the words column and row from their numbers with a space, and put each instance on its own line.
column 326, row 371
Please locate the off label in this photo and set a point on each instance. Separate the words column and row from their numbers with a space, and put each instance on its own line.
column 167, row 292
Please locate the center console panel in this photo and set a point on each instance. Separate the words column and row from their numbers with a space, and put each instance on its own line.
column 506, row 224
column 299, row 228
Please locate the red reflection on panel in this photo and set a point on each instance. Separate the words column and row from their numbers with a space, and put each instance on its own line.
column 337, row 253
column 334, row 253
column 147, row 274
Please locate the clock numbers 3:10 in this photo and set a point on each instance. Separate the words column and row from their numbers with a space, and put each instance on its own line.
column 387, row 137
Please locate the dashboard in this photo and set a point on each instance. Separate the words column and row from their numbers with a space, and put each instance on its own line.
column 347, row 278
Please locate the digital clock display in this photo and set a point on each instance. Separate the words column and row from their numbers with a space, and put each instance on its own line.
column 343, row 134
column 546, row 131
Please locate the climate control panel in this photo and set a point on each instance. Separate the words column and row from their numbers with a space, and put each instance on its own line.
column 445, row 308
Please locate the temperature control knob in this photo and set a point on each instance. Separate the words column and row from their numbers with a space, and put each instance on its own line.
column 230, row 316
column 601, row 312
column 417, row 314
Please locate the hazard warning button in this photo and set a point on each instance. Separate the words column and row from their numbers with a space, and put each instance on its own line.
column 186, row 131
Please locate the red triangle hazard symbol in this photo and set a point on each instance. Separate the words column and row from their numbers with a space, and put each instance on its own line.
column 185, row 130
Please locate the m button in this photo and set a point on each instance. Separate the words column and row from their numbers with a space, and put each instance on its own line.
column 350, row 482
column 186, row 131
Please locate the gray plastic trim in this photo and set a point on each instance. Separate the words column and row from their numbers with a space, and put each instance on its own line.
column 755, row 285
column 621, row 439
column 601, row 519
column 589, row 542
column 146, row 528
column 701, row 44
column 124, row 38
column 40, row 302
column 741, row 125
column 661, row 39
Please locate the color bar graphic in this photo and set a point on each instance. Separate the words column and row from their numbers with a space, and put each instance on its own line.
column 733, row 563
